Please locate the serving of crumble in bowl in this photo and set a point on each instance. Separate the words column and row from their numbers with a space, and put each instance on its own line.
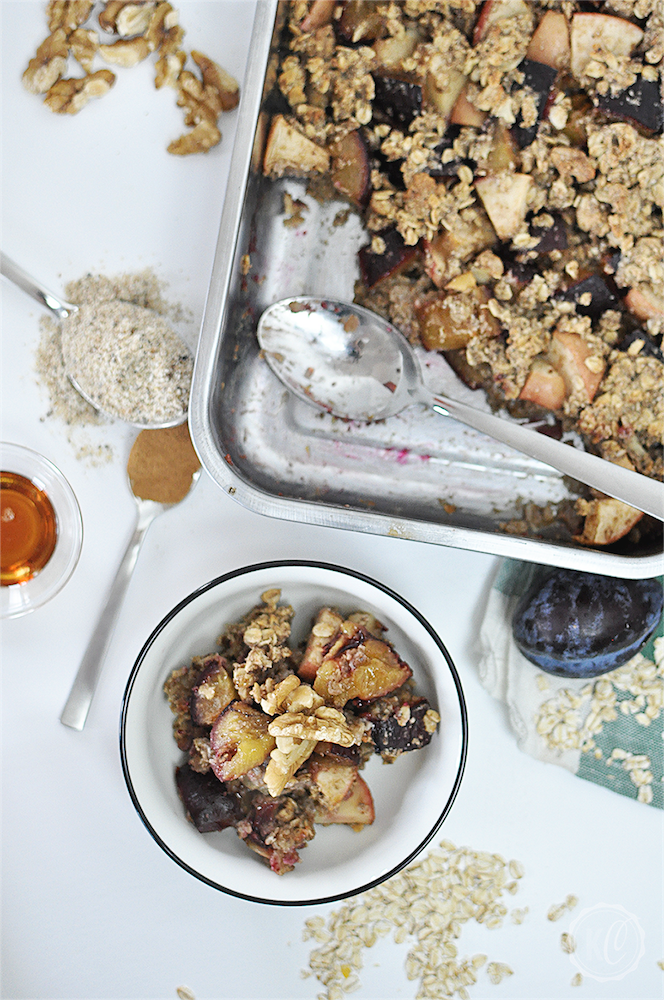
column 293, row 733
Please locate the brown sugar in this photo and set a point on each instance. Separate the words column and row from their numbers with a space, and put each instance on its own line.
column 162, row 464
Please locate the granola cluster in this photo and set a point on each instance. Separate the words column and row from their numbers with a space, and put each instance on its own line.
column 135, row 30
column 508, row 161
column 275, row 737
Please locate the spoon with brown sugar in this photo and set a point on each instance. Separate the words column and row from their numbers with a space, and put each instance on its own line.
column 162, row 468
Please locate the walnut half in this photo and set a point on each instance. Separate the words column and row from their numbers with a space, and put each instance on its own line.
column 69, row 96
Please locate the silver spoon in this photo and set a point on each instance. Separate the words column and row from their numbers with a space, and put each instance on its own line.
column 63, row 310
column 76, row 709
column 350, row 362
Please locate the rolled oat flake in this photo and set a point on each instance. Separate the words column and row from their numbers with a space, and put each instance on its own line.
column 129, row 361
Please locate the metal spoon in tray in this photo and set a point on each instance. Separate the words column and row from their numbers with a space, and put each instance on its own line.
column 122, row 358
column 350, row 362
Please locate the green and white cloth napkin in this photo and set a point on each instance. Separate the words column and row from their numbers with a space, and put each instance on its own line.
column 609, row 729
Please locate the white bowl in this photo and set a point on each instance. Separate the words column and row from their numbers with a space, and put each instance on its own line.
column 412, row 796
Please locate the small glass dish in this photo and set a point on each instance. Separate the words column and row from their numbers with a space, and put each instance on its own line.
column 47, row 579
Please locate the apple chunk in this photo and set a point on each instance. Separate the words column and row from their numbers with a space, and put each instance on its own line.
column 505, row 198
column 550, row 41
column 607, row 521
column 496, row 10
column 544, row 385
column 594, row 32
column 581, row 371
column 643, row 303
column 327, row 624
column 356, row 810
column 451, row 321
column 287, row 151
column 359, row 666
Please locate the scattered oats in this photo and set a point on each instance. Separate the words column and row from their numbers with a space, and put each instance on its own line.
column 519, row 915
column 543, row 682
column 571, row 901
column 184, row 993
column 577, row 980
column 556, row 912
column 567, row 943
column 428, row 903
column 516, row 869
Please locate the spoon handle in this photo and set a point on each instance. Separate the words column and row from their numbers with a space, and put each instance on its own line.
column 632, row 488
column 31, row 287
column 80, row 697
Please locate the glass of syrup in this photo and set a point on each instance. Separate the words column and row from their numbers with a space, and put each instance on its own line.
column 40, row 530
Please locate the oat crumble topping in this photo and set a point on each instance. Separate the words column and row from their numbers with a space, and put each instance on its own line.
column 509, row 160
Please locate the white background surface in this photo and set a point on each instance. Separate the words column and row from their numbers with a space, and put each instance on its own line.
column 92, row 908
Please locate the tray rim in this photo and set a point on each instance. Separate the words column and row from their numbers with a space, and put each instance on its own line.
column 221, row 470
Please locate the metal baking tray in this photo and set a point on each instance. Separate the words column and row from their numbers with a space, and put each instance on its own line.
column 417, row 475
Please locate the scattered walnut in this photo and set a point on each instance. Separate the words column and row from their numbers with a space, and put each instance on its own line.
column 69, row 96
column 48, row 64
column 67, row 14
column 84, row 46
column 140, row 27
column 126, row 51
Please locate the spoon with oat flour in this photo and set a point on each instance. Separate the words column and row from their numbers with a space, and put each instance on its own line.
column 348, row 361
column 123, row 358
column 161, row 469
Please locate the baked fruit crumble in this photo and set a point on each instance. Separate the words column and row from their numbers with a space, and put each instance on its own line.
column 275, row 738
column 507, row 160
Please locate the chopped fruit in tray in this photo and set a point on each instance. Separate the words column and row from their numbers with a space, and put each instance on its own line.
column 507, row 159
column 275, row 737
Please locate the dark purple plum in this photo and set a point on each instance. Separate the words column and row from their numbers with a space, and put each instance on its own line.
column 649, row 349
column 540, row 79
column 601, row 296
column 208, row 802
column 575, row 624
column 391, row 738
column 552, row 238
column 397, row 256
column 641, row 103
column 396, row 100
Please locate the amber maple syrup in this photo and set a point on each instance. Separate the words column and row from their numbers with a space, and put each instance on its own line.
column 28, row 528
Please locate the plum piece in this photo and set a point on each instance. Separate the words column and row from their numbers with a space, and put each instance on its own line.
column 601, row 296
column 397, row 101
column 356, row 810
column 576, row 624
column 335, row 752
column 360, row 22
column 374, row 267
column 320, row 13
column 391, row 169
column 641, row 104
column 438, row 166
column 240, row 741
column 540, row 79
column 451, row 321
column 327, row 624
column 209, row 804
column 350, row 169
column 406, row 728
column 277, row 829
column 649, row 348
column 213, row 692
column 359, row 666
column 551, row 237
